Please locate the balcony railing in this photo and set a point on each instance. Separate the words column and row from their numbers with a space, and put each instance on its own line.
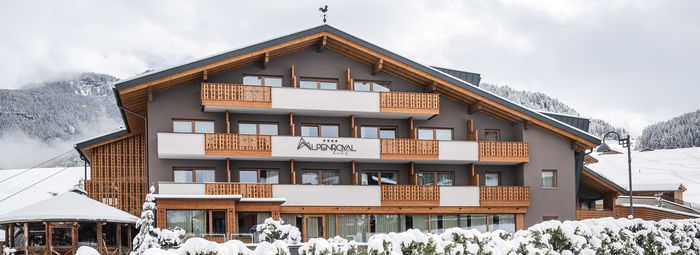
column 247, row 190
column 582, row 214
column 409, row 102
column 400, row 195
column 504, row 196
column 237, row 144
column 504, row 151
column 226, row 94
column 404, row 148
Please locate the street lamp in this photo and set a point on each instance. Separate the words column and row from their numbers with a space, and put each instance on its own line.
column 625, row 142
column 145, row 138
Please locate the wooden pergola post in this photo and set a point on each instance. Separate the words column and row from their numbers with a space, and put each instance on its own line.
column 26, row 238
column 49, row 237
column 98, row 231
column 119, row 238
column 74, row 236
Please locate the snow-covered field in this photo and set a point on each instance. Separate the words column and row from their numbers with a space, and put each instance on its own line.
column 654, row 168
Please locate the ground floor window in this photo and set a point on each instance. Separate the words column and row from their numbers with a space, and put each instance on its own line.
column 87, row 234
column 37, row 234
column 248, row 220
column 475, row 221
column 194, row 222
column 501, row 221
column 61, row 236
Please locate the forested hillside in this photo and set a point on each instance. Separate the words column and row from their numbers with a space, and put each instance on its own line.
column 679, row 132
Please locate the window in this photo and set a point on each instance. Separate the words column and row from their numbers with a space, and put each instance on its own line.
column 190, row 175
column 492, row 179
column 415, row 221
column 259, row 176
column 549, row 178
column 319, row 130
column 383, row 223
column 435, row 134
column 546, row 218
column 492, row 135
column 475, row 221
column 377, row 86
column 248, row 220
column 262, row 80
column 380, row 178
column 435, row 178
column 502, row 221
column 192, row 221
column 193, row 126
column 308, row 83
column 441, row 222
column 325, row 177
column 378, row 132
column 257, row 128
column 61, row 236
column 87, row 234
column 37, row 234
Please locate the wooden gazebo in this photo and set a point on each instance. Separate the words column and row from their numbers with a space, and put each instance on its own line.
column 61, row 224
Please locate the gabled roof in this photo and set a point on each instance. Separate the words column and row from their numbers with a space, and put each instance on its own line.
column 471, row 78
column 68, row 206
column 659, row 187
column 599, row 181
column 574, row 121
column 133, row 93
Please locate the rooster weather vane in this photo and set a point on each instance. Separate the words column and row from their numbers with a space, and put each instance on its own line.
column 324, row 10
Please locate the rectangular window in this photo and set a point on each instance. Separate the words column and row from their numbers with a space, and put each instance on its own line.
column 549, row 178
column 189, row 175
column 435, row 178
column 502, row 222
column 309, row 83
column 377, row 86
column 258, row 128
column 194, row 222
column 413, row 221
column 492, row 135
column 352, row 227
column 441, row 222
column 61, row 236
column 378, row 132
column 319, row 130
column 259, row 176
column 492, row 179
column 442, row 134
column 380, row 178
column 193, row 126
column 248, row 220
column 262, row 80
column 325, row 177
column 475, row 221
column 383, row 223
column 37, row 234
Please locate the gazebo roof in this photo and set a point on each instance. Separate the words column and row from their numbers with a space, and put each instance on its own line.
column 68, row 206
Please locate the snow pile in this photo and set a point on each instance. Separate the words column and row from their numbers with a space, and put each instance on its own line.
column 86, row 250
column 199, row 246
column 272, row 230
column 595, row 236
column 8, row 251
column 150, row 237
column 336, row 245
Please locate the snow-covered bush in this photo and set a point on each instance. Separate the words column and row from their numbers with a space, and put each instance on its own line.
column 150, row 236
column 8, row 251
column 272, row 230
column 334, row 246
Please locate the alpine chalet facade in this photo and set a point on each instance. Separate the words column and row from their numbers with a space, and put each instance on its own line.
column 336, row 136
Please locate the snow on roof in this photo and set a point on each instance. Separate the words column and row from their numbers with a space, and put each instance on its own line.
column 179, row 196
column 60, row 182
column 654, row 167
column 656, row 186
column 68, row 206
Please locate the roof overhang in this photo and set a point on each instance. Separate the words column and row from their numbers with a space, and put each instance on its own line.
column 592, row 180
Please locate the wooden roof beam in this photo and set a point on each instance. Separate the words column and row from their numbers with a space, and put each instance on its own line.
column 475, row 107
column 526, row 124
column 377, row 66
column 322, row 44
column 266, row 59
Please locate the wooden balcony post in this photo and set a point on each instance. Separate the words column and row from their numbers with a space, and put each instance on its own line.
column 348, row 80
column 293, row 78
column 228, row 123
column 353, row 177
column 228, row 170
column 353, row 128
column 473, row 178
column 292, row 173
column 411, row 130
column 291, row 124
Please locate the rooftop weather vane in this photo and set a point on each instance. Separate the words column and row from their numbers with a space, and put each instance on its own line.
column 324, row 10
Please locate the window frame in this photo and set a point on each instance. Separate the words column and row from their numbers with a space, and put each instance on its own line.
column 500, row 183
column 193, row 172
column 554, row 179
column 320, row 175
column 379, row 176
column 379, row 131
column 258, row 173
column 497, row 131
column 192, row 123
column 434, row 173
column 452, row 130
column 318, row 82
column 263, row 77
column 371, row 86
column 318, row 126
column 257, row 126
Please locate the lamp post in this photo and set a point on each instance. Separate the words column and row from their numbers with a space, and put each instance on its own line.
column 145, row 119
column 625, row 142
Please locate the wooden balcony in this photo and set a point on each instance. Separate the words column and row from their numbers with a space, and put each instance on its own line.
column 405, row 148
column 504, row 196
column 497, row 151
column 247, row 190
column 582, row 214
column 410, row 195
column 227, row 94
column 409, row 102
column 237, row 145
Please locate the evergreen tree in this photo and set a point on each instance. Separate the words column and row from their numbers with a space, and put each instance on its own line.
column 148, row 236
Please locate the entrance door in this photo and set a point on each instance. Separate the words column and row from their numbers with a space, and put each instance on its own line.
column 314, row 226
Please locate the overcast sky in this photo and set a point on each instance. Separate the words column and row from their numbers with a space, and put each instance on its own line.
column 631, row 63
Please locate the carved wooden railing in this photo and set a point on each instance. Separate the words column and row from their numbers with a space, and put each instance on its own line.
column 227, row 94
column 406, row 148
column 410, row 195
column 504, row 196
column 409, row 102
column 504, row 151
column 237, row 144
column 247, row 190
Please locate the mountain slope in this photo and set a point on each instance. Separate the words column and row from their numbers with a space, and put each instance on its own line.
column 679, row 132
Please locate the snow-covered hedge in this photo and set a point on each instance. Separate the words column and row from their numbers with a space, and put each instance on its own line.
column 199, row 246
column 271, row 230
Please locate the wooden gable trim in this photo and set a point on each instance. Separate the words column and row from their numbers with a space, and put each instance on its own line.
column 87, row 148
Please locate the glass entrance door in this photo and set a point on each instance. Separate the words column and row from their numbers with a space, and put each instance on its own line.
column 314, row 226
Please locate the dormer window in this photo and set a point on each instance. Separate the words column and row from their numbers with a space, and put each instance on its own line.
column 262, row 80
column 376, row 86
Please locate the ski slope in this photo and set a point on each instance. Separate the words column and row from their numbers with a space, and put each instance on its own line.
column 654, row 168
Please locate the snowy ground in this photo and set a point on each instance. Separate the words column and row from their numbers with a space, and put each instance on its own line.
column 654, row 168
column 60, row 182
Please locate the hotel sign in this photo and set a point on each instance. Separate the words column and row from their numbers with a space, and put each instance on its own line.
column 331, row 145
column 324, row 147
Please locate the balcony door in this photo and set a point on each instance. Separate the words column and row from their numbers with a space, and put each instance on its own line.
column 314, row 226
